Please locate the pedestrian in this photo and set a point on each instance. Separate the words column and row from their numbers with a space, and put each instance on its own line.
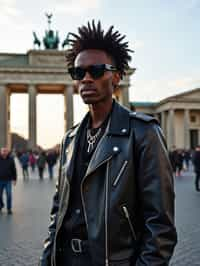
column 24, row 160
column 178, row 161
column 187, row 158
column 51, row 161
column 114, row 203
column 32, row 161
column 8, row 176
column 172, row 158
column 41, row 162
column 196, row 162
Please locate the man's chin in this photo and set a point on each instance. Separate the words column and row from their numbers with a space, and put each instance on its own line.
column 89, row 101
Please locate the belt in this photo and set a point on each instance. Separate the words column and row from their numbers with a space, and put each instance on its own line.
column 79, row 246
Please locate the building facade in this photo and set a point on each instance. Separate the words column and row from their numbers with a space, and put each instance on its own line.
column 179, row 116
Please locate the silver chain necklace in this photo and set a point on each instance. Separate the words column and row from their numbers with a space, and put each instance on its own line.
column 91, row 140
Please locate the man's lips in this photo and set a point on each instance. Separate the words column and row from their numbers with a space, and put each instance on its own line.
column 87, row 91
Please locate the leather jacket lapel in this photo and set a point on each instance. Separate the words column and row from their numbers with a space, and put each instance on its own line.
column 105, row 151
column 108, row 146
column 118, row 127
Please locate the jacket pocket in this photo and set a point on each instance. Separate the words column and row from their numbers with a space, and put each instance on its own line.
column 120, row 173
column 127, row 216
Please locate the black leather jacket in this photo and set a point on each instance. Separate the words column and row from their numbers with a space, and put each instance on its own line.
column 127, row 195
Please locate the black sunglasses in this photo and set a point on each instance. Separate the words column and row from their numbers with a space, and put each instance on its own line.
column 95, row 71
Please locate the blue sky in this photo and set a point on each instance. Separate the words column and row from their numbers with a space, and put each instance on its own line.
column 164, row 35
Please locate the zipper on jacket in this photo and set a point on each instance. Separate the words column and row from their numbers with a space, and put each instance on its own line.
column 106, row 215
column 120, row 173
column 129, row 221
column 82, row 198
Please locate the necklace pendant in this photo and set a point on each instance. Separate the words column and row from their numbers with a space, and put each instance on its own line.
column 91, row 140
column 90, row 145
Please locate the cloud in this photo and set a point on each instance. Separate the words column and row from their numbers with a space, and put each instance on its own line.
column 185, row 82
column 8, row 12
column 76, row 7
column 191, row 4
column 136, row 44
column 155, row 90
column 186, row 5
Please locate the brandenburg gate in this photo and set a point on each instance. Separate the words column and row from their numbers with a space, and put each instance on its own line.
column 41, row 71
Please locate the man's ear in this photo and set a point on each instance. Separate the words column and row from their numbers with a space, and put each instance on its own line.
column 116, row 78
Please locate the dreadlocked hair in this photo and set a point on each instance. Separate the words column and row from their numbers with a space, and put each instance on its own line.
column 93, row 37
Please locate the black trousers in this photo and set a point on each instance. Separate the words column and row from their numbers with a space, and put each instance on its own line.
column 70, row 258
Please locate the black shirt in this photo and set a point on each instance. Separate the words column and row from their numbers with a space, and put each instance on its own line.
column 74, row 222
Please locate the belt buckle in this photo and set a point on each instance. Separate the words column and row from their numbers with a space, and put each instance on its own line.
column 76, row 245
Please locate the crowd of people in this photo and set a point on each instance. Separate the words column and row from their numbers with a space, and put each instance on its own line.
column 32, row 160
column 182, row 159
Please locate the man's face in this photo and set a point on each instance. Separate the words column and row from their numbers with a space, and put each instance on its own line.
column 4, row 152
column 92, row 90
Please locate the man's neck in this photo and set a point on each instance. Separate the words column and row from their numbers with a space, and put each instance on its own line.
column 99, row 112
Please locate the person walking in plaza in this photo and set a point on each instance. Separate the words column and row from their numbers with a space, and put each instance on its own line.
column 32, row 161
column 51, row 161
column 8, row 176
column 24, row 160
column 114, row 202
column 196, row 162
column 41, row 163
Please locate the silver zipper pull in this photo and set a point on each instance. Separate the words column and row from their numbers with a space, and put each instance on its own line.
column 129, row 221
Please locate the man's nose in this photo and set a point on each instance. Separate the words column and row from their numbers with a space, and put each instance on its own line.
column 87, row 77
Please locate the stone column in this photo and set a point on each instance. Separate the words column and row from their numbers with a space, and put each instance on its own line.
column 4, row 117
column 171, row 133
column 69, row 107
column 123, row 95
column 32, row 117
column 186, row 129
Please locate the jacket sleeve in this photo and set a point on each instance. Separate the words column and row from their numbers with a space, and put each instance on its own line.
column 156, row 197
column 45, row 259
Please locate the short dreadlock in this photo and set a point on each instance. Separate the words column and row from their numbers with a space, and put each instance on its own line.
column 93, row 37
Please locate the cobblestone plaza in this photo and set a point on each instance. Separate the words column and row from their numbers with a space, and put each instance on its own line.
column 22, row 233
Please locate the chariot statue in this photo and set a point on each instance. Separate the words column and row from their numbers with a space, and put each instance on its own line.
column 51, row 39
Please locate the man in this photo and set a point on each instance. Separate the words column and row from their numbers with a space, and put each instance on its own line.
column 114, row 203
column 41, row 163
column 51, row 161
column 7, row 177
column 24, row 160
column 196, row 162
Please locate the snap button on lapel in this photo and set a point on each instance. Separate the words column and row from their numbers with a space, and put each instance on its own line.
column 123, row 130
column 115, row 149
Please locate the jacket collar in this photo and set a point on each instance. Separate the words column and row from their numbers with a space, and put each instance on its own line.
column 119, row 122
column 118, row 125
